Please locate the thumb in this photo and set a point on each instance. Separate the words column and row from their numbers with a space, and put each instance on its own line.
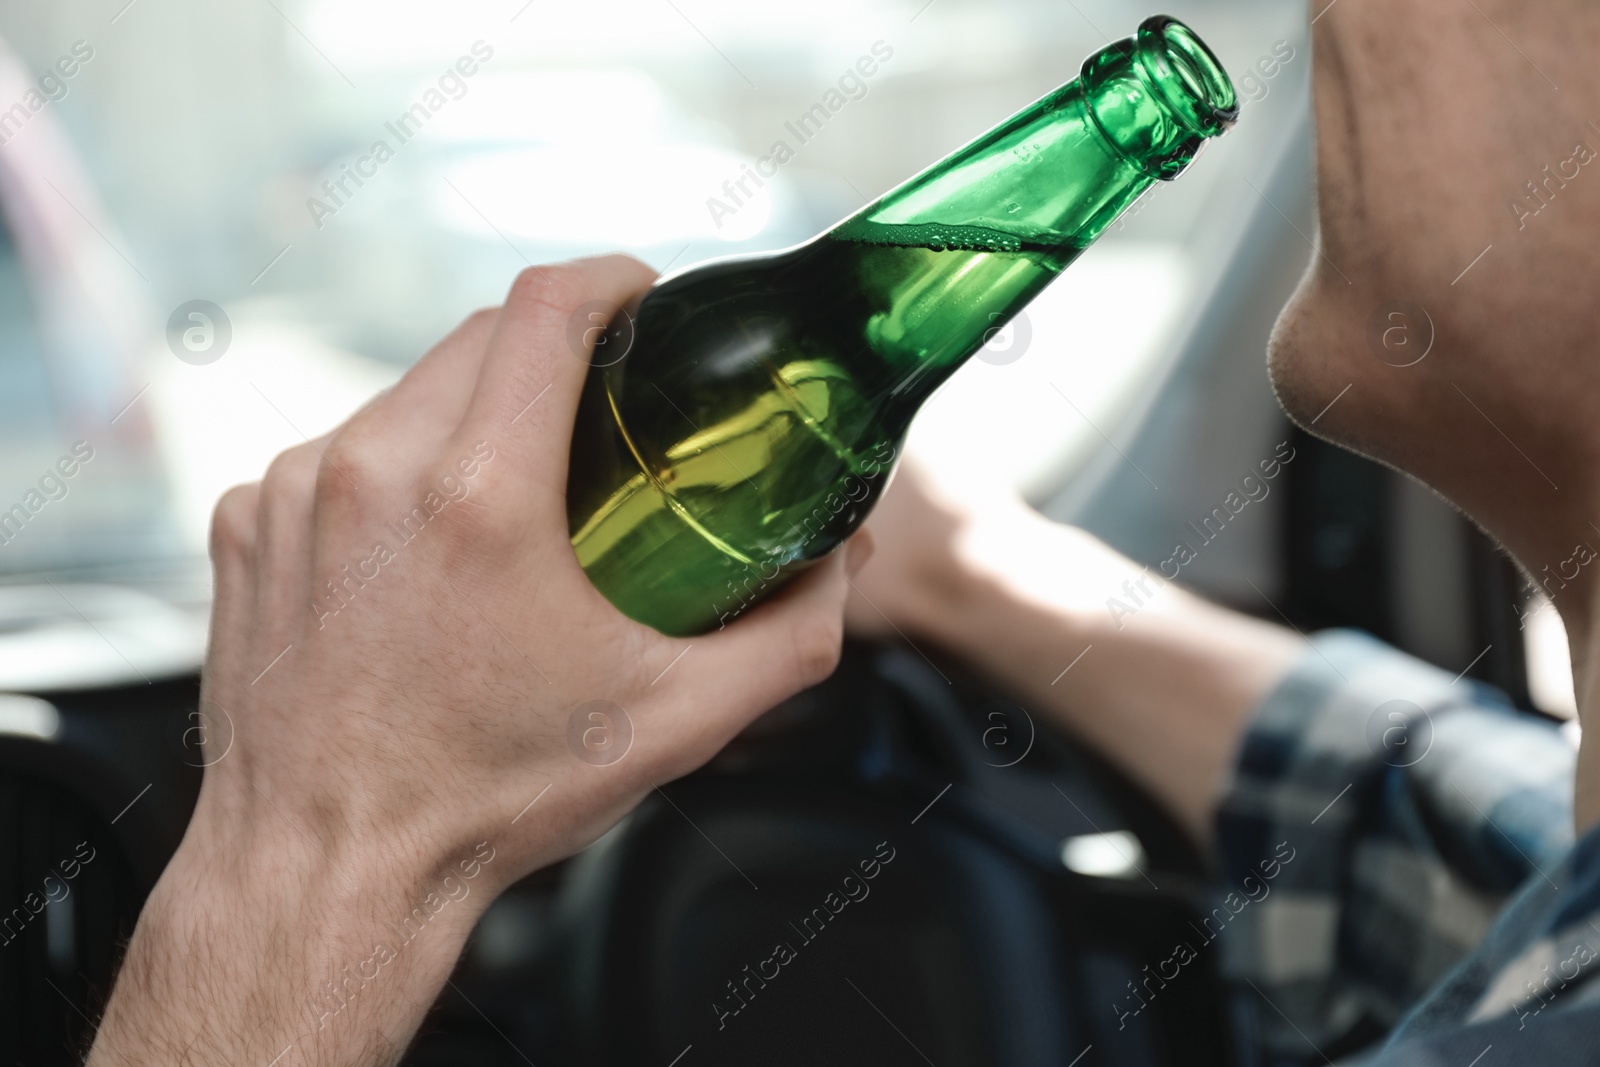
column 781, row 647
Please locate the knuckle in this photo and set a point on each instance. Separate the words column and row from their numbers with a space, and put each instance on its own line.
column 546, row 291
column 624, row 264
column 285, row 499
column 348, row 470
column 481, row 524
column 535, row 285
column 488, row 479
column 817, row 641
column 233, row 524
column 482, row 320
column 292, row 473
column 374, row 406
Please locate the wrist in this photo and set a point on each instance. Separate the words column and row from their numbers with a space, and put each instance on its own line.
column 272, row 939
column 1159, row 680
column 1006, row 564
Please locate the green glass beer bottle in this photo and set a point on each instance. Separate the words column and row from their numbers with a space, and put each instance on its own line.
column 741, row 418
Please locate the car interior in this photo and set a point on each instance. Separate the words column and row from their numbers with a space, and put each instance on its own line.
column 1021, row 888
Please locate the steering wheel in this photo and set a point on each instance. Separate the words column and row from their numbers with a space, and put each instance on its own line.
column 874, row 873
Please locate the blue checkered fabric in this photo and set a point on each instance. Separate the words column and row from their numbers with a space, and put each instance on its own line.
column 1405, row 886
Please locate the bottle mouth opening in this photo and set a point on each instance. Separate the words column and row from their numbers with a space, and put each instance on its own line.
column 1187, row 75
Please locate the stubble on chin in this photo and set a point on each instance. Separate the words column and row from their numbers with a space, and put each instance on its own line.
column 1301, row 358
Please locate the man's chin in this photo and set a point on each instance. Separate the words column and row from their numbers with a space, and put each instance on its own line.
column 1320, row 380
column 1301, row 363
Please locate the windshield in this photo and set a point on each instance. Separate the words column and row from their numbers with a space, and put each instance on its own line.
column 227, row 225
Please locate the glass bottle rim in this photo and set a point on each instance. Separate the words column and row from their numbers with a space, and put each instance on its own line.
column 1187, row 75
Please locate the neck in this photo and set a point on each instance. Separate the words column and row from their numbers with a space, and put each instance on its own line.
column 1580, row 616
column 1553, row 535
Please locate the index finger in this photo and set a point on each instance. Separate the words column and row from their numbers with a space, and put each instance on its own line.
column 527, row 390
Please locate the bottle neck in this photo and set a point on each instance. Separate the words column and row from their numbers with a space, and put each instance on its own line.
column 1055, row 175
column 963, row 246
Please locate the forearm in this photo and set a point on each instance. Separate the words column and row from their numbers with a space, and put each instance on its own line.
column 290, row 951
column 1165, row 692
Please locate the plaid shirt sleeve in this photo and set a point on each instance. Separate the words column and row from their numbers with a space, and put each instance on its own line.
column 1379, row 815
